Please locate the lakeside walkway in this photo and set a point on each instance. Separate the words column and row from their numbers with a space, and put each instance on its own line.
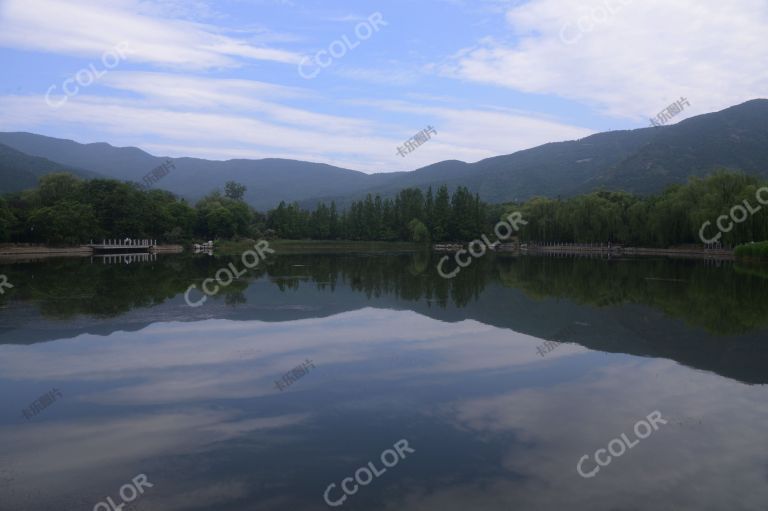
column 15, row 252
column 599, row 249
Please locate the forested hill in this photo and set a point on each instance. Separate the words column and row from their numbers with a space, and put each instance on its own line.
column 643, row 161
column 19, row 171
column 268, row 180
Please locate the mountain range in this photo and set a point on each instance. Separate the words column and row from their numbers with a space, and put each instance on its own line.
column 641, row 161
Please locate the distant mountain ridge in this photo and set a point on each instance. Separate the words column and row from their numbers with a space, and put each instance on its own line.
column 268, row 180
column 19, row 171
column 640, row 161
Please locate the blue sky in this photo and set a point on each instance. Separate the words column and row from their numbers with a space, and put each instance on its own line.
column 223, row 79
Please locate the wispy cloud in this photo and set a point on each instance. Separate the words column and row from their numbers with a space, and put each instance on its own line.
column 88, row 29
column 221, row 118
column 636, row 61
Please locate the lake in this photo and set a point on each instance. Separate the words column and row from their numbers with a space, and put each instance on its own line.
column 368, row 382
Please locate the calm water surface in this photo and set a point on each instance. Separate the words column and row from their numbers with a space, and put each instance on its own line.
column 496, row 417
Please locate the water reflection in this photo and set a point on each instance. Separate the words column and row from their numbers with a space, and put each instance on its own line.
column 723, row 300
column 187, row 396
column 141, row 257
column 493, row 424
column 708, row 317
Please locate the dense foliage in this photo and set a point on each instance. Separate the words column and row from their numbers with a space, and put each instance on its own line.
column 411, row 215
column 675, row 217
column 66, row 210
column 756, row 250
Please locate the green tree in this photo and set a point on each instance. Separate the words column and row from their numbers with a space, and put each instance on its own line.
column 58, row 186
column 7, row 221
column 419, row 231
column 66, row 222
column 234, row 190
column 442, row 214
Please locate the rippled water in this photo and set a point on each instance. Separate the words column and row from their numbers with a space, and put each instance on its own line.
column 495, row 416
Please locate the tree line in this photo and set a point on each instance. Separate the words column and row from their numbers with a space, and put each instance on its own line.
column 64, row 209
column 674, row 217
column 411, row 216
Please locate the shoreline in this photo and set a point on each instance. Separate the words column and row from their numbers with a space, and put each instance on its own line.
column 687, row 252
column 11, row 252
column 601, row 250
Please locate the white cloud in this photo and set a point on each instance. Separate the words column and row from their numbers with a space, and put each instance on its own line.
column 89, row 29
column 135, row 120
column 547, row 428
column 196, row 93
column 474, row 134
column 643, row 56
column 347, row 18
column 223, row 119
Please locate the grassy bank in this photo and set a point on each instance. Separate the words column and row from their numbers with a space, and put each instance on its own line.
column 324, row 247
column 16, row 249
column 753, row 251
